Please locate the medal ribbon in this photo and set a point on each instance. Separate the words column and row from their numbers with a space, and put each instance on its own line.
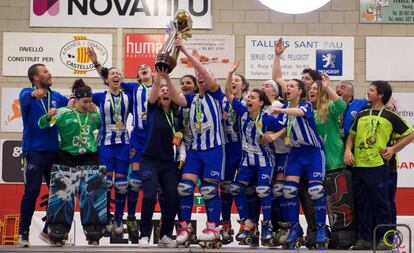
column 117, row 107
column 259, row 129
column 170, row 120
column 81, row 127
column 373, row 123
column 290, row 124
column 48, row 101
column 198, row 110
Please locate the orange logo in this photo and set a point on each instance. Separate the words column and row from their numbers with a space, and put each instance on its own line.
column 16, row 113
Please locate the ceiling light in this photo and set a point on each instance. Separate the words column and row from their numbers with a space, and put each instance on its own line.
column 294, row 6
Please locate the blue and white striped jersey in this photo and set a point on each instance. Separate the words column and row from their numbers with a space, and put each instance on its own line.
column 303, row 128
column 255, row 154
column 207, row 131
column 140, row 94
column 231, row 125
column 110, row 134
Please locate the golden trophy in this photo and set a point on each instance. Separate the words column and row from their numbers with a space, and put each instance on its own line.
column 179, row 28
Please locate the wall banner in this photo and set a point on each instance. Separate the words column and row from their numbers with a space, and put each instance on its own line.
column 64, row 54
column 332, row 55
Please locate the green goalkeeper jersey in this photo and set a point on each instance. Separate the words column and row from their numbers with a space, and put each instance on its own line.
column 75, row 129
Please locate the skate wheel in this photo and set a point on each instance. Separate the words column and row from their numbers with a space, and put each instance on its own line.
column 219, row 245
column 187, row 244
column 256, row 233
column 209, row 245
column 272, row 242
column 248, row 240
column 298, row 244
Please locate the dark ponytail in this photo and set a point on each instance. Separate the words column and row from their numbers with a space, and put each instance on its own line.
column 80, row 89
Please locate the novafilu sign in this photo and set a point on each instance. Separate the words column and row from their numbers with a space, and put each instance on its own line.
column 117, row 13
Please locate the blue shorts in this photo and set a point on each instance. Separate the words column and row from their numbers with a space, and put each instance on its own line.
column 138, row 140
column 115, row 158
column 233, row 157
column 281, row 163
column 206, row 164
column 255, row 175
column 306, row 161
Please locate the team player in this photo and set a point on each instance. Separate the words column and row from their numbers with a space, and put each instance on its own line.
column 305, row 158
column 139, row 92
column 113, row 140
column 205, row 157
column 233, row 148
column 160, row 169
column 40, row 146
column 308, row 77
column 78, row 148
column 280, row 152
column 338, row 182
column 256, row 165
column 368, row 138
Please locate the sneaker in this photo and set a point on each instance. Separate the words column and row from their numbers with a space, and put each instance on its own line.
column 144, row 242
column 45, row 238
column 24, row 239
column 362, row 245
column 382, row 246
column 167, row 242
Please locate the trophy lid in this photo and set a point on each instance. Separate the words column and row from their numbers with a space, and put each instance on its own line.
column 183, row 20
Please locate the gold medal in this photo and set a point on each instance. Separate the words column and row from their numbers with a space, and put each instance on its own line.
column 372, row 140
column 80, row 139
column 119, row 125
column 53, row 121
column 286, row 140
column 197, row 125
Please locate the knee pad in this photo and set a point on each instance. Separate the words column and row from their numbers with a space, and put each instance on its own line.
column 225, row 187
column 263, row 191
column 209, row 190
column 109, row 183
column 121, row 185
column 236, row 188
column 316, row 191
column 277, row 189
column 185, row 188
column 290, row 191
column 135, row 184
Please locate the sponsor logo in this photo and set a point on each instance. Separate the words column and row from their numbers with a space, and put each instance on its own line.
column 329, row 61
column 40, row 7
column 75, row 56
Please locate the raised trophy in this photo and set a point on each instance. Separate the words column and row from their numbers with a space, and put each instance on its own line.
column 179, row 28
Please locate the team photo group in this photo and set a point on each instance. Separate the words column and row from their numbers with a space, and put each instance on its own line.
column 272, row 150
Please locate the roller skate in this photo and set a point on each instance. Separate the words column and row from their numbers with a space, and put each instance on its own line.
column 226, row 232
column 295, row 237
column 132, row 229
column 248, row 233
column 210, row 237
column 58, row 234
column 118, row 228
column 185, row 234
column 266, row 238
column 321, row 239
column 310, row 237
column 281, row 234
column 109, row 228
